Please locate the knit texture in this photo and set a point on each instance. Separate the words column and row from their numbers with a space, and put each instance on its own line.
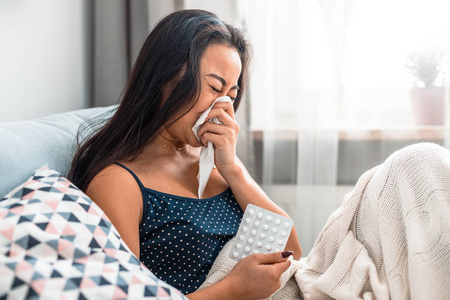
column 390, row 239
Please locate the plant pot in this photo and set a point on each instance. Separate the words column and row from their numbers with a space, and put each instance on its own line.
column 428, row 105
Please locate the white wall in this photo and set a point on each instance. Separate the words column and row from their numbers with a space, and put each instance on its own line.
column 158, row 9
column 229, row 11
column 43, row 57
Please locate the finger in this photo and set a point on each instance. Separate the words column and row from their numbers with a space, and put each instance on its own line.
column 229, row 105
column 226, row 106
column 281, row 267
column 232, row 128
column 221, row 115
column 273, row 258
column 213, row 128
column 217, row 140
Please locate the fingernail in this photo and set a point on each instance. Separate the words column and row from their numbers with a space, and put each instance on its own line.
column 286, row 254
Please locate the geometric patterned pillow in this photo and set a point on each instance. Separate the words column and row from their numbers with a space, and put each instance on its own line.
column 56, row 243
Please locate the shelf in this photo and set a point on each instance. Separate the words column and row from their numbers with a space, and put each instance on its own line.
column 422, row 133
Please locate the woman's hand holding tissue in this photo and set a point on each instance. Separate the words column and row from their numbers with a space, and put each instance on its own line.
column 223, row 136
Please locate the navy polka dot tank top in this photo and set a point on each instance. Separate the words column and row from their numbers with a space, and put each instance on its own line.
column 181, row 237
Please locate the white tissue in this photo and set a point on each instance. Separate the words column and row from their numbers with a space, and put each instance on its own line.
column 206, row 163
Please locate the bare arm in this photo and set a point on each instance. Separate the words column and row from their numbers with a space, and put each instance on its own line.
column 119, row 196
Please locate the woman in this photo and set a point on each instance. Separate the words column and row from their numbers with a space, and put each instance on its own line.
column 141, row 167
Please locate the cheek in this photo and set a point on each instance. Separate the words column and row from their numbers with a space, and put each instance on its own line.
column 186, row 122
column 206, row 99
column 204, row 102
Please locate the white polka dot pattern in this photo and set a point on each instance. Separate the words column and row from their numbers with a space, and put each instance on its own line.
column 181, row 237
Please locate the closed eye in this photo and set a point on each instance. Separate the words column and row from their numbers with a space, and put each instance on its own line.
column 217, row 91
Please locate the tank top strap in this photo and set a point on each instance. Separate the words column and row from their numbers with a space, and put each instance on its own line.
column 134, row 175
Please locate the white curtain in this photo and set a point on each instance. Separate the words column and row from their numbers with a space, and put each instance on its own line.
column 331, row 94
column 295, row 85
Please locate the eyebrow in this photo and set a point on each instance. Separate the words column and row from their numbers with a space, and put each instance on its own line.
column 223, row 81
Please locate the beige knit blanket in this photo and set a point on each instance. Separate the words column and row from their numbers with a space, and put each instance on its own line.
column 390, row 239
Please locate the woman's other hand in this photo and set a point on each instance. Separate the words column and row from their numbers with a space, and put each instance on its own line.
column 259, row 275
column 254, row 277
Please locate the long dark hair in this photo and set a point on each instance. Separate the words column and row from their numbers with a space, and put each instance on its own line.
column 170, row 54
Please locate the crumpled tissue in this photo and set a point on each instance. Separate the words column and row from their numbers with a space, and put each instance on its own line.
column 206, row 163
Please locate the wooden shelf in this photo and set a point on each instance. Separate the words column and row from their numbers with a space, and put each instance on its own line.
column 422, row 133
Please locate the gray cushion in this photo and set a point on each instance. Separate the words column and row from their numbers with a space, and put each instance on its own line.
column 28, row 145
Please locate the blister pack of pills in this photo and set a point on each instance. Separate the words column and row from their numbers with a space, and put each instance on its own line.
column 261, row 231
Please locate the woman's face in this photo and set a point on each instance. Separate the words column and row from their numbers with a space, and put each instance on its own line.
column 220, row 68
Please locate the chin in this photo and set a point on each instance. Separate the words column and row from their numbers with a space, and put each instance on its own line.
column 195, row 143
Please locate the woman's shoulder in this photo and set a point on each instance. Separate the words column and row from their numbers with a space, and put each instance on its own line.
column 111, row 174
column 113, row 180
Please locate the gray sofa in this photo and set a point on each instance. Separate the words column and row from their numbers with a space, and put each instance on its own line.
column 28, row 145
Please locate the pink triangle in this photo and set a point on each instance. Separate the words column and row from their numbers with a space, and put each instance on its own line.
column 29, row 182
column 68, row 230
column 119, row 294
column 135, row 280
column 93, row 211
column 29, row 195
column 38, row 285
column 99, row 232
column 86, row 282
column 63, row 245
column 8, row 233
column 23, row 266
column 47, row 251
column 110, row 252
column 161, row 292
column 62, row 189
column 83, row 260
column 15, row 250
column 53, row 204
column 26, row 275
column 62, row 184
column 18, row 209
column 3, row 213
column 107, row 269
column 51, row 229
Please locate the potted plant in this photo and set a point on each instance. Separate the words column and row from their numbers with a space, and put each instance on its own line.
column 428, row 95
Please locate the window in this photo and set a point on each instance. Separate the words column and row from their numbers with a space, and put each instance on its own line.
column 340, row 63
